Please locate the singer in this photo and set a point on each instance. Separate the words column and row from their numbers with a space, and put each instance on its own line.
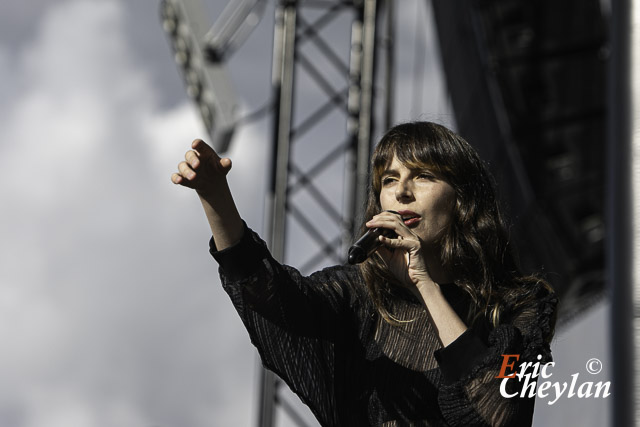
column 416, row 333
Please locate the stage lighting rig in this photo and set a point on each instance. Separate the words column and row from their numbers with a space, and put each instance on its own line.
column 207, row 82
column 236, row 22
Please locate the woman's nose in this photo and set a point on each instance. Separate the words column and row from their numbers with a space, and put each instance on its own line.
column 403, row 190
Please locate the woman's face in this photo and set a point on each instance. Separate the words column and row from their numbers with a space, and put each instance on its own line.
column 424, row 201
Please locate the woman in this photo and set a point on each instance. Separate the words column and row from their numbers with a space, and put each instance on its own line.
column 417, row 333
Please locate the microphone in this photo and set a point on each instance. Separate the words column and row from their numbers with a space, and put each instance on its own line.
column 367, row 244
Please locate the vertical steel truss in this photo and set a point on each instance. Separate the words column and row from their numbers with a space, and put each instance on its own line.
column 623, row 200
column 294, row 35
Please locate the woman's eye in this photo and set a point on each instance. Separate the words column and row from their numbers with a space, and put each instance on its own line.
column 386, row 181
column 425, row 175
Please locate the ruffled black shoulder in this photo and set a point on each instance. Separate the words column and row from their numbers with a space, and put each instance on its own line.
column 533, row 313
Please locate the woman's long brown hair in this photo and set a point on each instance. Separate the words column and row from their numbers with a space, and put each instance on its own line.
column 475, row 246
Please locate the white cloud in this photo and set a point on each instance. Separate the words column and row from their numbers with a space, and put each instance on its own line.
column 110, row 309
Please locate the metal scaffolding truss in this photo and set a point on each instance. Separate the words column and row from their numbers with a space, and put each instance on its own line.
column 324, row 62
column 350, row 96
column 324, row 84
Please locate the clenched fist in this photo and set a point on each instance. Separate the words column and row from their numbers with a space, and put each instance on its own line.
column 203, row 170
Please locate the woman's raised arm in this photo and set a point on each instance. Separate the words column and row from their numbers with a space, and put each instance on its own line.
column 204, row 171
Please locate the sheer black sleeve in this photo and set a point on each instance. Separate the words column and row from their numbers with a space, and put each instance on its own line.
column 470, row 394
column 297, row 323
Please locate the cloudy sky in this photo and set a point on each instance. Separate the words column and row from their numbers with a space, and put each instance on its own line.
column 111, row 312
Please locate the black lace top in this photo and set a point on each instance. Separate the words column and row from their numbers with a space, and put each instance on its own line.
column 324, row 337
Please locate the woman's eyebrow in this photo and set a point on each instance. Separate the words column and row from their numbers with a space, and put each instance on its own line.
column 389, row 172
column 425, row 169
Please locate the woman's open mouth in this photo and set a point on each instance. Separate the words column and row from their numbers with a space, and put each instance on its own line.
column 409, row 218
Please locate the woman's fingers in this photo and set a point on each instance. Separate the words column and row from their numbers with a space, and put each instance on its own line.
column 186, row 171
column 202, row 169
column 205, row 154
column 204, row 150
column 185, row 176
column 405, row 238
column 178, row 179
column 192, row 159
column 407, row 244
column 387, row 216
column 390, row 221
column 403, row 253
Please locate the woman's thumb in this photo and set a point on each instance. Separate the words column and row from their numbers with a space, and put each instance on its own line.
column 226, row 165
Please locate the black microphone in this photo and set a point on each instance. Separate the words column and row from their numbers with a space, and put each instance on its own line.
column 368, row 243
